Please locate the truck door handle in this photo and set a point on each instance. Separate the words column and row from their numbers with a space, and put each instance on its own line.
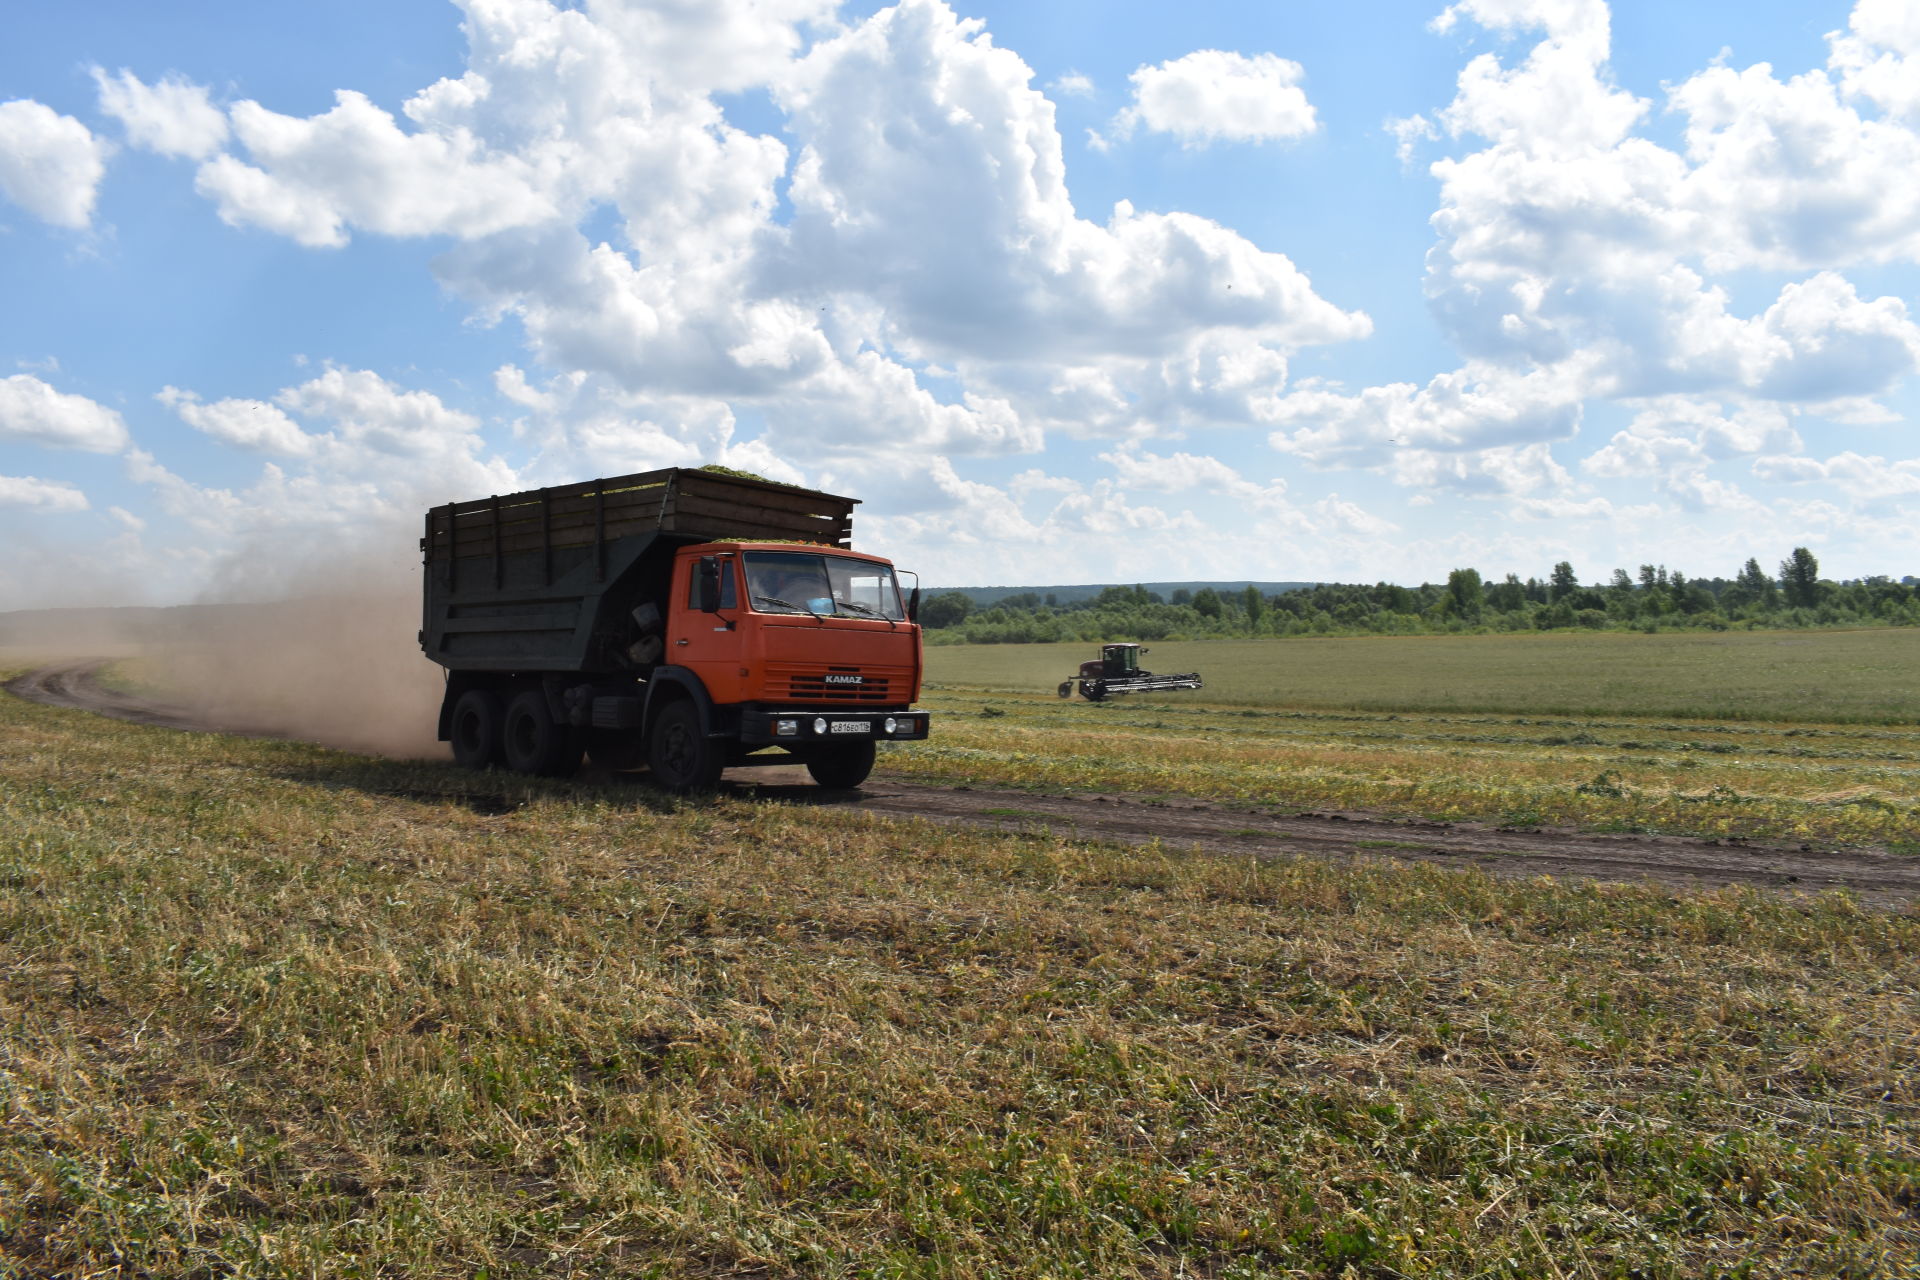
column 682, row 640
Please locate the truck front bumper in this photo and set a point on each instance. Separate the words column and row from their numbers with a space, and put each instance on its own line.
column 762, row 727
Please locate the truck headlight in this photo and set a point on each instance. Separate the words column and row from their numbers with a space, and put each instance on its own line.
column 820, row 725
column 786, row 728
column 893, row 726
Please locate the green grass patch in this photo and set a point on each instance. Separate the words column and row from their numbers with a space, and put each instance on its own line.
column 1827, row 677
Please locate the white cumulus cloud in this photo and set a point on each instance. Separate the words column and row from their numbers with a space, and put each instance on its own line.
column 313, row 178
column 42, row 495
column 971, row 161
column 1073, row 84
column 249, row 424
column 32, row 411
column 1577, row 260
column 50, row 164
column 380, row 453
column 1213, row 95
column 1868, row 478
column 1878, row 57
column 173, row 116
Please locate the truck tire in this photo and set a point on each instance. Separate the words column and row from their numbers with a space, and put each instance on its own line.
column 535, row 742
column 843, row 767
column 475, row 729
column 1066, row 688
column 683, row 759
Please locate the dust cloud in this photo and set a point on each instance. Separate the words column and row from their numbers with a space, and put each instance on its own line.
column 32, row 635
column 320, row 646
column 315, row 641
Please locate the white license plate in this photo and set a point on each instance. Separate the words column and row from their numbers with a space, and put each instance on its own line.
column 850, row 726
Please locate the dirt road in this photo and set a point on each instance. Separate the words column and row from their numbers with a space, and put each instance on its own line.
column 1878, row 878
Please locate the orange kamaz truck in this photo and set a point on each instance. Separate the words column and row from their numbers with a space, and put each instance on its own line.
column 682, row 620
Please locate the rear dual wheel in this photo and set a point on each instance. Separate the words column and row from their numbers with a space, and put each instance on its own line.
column 533, row 741
column 475, row 730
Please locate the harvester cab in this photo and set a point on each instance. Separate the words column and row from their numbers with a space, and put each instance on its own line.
column 1117, row 670
column 1119, row 660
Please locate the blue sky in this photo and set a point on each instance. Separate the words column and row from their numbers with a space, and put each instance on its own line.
column 1072, row 291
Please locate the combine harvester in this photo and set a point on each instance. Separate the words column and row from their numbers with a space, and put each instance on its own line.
column 1117, row 671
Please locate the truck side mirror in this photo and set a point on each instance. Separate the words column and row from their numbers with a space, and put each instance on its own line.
column 707, row 584
column 913, row 605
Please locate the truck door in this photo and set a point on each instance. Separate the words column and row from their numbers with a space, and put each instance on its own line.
column 709, row 644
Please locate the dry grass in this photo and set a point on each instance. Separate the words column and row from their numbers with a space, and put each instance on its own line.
column 270, row 1010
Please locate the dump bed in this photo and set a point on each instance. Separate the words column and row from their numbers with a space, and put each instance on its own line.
column 547, row 579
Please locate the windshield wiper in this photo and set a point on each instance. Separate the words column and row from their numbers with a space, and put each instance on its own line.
column 788, row 604
column 869, row 612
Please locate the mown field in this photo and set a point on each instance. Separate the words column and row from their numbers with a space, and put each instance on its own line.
column 1772, row 762
column 272, row 1010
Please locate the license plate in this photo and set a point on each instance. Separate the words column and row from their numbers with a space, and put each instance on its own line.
column 850, row 726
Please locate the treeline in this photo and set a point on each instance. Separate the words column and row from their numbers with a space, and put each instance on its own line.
column 1657, row 599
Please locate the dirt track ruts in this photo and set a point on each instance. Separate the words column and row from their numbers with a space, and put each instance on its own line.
column 1878, row 878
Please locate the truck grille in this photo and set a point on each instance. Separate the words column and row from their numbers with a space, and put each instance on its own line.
column 811, row 684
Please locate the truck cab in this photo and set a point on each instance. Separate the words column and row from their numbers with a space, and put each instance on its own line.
column 807, row 648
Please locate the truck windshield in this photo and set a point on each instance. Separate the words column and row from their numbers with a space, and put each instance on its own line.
column 806, row 582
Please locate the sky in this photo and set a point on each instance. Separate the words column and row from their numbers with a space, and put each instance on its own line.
column 1078, row 291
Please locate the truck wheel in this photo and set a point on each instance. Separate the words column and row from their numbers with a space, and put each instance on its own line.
column 1066, row 688
column 535, row 742
column 475, row 729
column 843, row 767
column 682, row 758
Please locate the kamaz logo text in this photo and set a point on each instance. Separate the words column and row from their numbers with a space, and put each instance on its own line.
column 833, row 679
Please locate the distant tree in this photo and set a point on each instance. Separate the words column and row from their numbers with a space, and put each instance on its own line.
column 1180, row 596
column 1465, row 595
column 1508, row 595
column 1562, row 584
column 1255, row 605
column 1800, row 578
column 1754, row 584
column 948, row 609
column 1206, row 602
column 1022, row 601
column 1585, row 600
column 1695, row 598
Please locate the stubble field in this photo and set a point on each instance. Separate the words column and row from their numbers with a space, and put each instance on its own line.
column 273, row 1010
